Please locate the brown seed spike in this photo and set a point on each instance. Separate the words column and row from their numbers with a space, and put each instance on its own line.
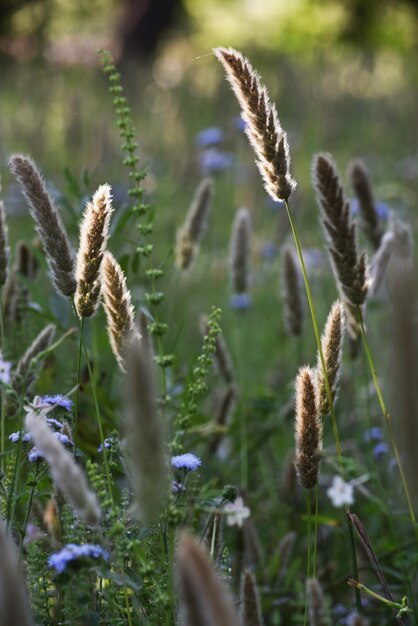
column 291, row 292
column 332, row 344
column 308, row 432
column 360, row 181
column 49, row 226
column 349, row 267
column 94, row 233
column 263, row 128
column 251, row 612
column 118, row 307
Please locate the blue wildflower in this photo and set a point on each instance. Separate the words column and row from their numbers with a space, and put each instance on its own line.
column 34, row 455
column 53, row 422
column 209, row 137
column 177, row 487
column 213, row 161
column 240, row 301
column 64, row 439
column 187, row 461
column 73, row 552
column 380, row 449
column 107, row 444
column 59, row 400
column 374, row 434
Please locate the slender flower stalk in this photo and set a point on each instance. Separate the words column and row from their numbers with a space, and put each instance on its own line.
column 223, row 359
column 49, row 226
column 65, row 473
column 262, row 125
column 332, row 345
column 195, row 224
column 118, row 307
column 94, row 234
column 316, row 603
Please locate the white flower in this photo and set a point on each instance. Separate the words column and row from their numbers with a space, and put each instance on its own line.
column 5, row 367
column 236, row 512
column 340, row 492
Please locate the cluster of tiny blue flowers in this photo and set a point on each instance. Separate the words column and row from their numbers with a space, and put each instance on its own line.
column 187, row 461
column 375, row 434
column 34, row 454
column 212, row 159
column 59, row 400
column 73, row 552
column 382, row 208
column 107, row 444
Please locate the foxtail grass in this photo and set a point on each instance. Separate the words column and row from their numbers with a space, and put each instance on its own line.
column 94, row 234
column 49, row 226
column 362, row 187
column 251, row 610
column 14, row 599
column 191, row 232
column 291, row 294
column 240, row 252
column 332, row 347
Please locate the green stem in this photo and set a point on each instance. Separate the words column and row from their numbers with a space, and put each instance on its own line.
column 353, row 559
column 308, row 567
column 3, row 403
column 76, row 403
column 99, row 423
column 11, row 501
column 387, row 418
column 315, row 531
column 28, row 510
column 317, row 335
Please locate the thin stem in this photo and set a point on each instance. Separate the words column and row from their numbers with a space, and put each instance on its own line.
column 99, row 422
column 315, row 531
column 28, row 510
column 308, row 567
column 353, row 559
column 76, row 403
column 128, row 608
column 3, row 403
column 387, row 417
column 316, row 332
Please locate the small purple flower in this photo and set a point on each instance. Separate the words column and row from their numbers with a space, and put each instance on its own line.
column 380, row 450
column 213, row 161
column 107, row 444
column 240, row 301
column 35, row 455
column 177, row 487
column 374, row 434
column 53, row 422
column 209, row 137
column 59, row 400
column 187, row 461
column 73, row 552
column 64, row 439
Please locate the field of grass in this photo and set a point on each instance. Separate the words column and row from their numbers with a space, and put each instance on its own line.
column 273, row 543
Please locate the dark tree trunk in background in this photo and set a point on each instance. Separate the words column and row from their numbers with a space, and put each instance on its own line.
column 144, row 22
column 7, row 8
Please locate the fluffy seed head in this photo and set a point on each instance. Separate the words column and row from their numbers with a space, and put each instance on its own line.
column 65, row 473
column 145, row 441
column 118, row 307
column 240, row 251
column 263, row 128
column 380, row 261
column 24, row 375
column 308, row 431
column 291, row 292
column 349, row 267
column 195, row 224
column 360, row 181
column 332, row 347
column 14, row 601
column 49, row 226
column 317, row 616
column 94, row 234
column 251, row 612
column 204, row 598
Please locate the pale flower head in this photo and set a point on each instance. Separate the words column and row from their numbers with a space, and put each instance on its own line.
column 5, row 367
column 340, row 492
column 236, row 512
